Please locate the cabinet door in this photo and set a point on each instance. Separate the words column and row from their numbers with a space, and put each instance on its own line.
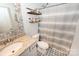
column 33, row 50
column 25, row 53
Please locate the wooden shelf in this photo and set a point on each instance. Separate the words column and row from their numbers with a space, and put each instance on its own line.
column 34, row 13
column 34, row 21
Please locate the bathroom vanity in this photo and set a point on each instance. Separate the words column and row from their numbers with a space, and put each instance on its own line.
column 20, row 46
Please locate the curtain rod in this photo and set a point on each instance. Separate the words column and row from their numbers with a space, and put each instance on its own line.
column 54, row 5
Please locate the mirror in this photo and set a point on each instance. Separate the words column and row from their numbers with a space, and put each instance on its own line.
column 8, row 17
column 5, row 20
column 11, row 26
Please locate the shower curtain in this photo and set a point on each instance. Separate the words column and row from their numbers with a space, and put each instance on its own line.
column 58, row 27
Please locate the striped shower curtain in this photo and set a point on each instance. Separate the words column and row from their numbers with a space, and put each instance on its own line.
column 58, row 27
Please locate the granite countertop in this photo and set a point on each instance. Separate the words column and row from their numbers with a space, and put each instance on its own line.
column 27, row 42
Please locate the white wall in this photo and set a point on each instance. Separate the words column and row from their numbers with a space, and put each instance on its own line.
column 29, row 28
column 75, row 45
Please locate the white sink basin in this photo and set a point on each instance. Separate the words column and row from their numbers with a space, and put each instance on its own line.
column 11, row 49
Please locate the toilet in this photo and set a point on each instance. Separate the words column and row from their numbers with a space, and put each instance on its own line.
column 42, row 47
